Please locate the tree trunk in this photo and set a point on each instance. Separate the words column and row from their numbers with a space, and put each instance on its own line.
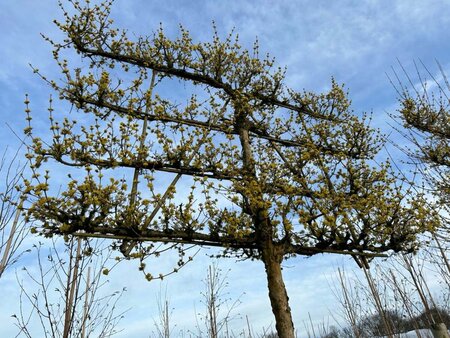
column 277, row 294
column 272, row 255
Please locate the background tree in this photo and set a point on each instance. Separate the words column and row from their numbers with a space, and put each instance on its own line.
column 65, row 293
column 424, row 112
column 425, row 115
column 12, row 226
column 219, row 307
column 259, row 169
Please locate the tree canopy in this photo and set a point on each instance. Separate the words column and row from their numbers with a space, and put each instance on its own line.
column 260, row 169
column 425, row 115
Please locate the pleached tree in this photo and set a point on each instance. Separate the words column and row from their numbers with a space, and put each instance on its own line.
column 251, row 166
column 425, row 115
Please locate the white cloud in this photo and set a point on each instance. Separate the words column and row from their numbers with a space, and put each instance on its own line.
column 357, row 41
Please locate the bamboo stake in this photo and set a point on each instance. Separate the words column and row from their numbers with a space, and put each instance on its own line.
column 86, row 304
column 378, row 303
column 11, row 237
column 406, row 303
column 72, row 285
column 348, row 306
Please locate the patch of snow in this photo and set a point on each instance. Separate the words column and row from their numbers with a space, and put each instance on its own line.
column 424, row 333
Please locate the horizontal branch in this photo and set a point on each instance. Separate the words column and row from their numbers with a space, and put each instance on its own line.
column 195, row 77
column 145, row 165
column 170, row 236
column 181, row 237
column 309, row 251
column 228, row 130
column 420, row 122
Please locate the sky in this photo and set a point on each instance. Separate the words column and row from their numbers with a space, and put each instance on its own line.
column 355, row 41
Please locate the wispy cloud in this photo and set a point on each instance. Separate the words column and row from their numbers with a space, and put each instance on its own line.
column 355, row 41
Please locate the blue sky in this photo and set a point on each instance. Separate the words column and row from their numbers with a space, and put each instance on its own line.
column 357, row 42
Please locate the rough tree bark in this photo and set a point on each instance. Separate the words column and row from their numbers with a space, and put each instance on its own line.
column 279, row 299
